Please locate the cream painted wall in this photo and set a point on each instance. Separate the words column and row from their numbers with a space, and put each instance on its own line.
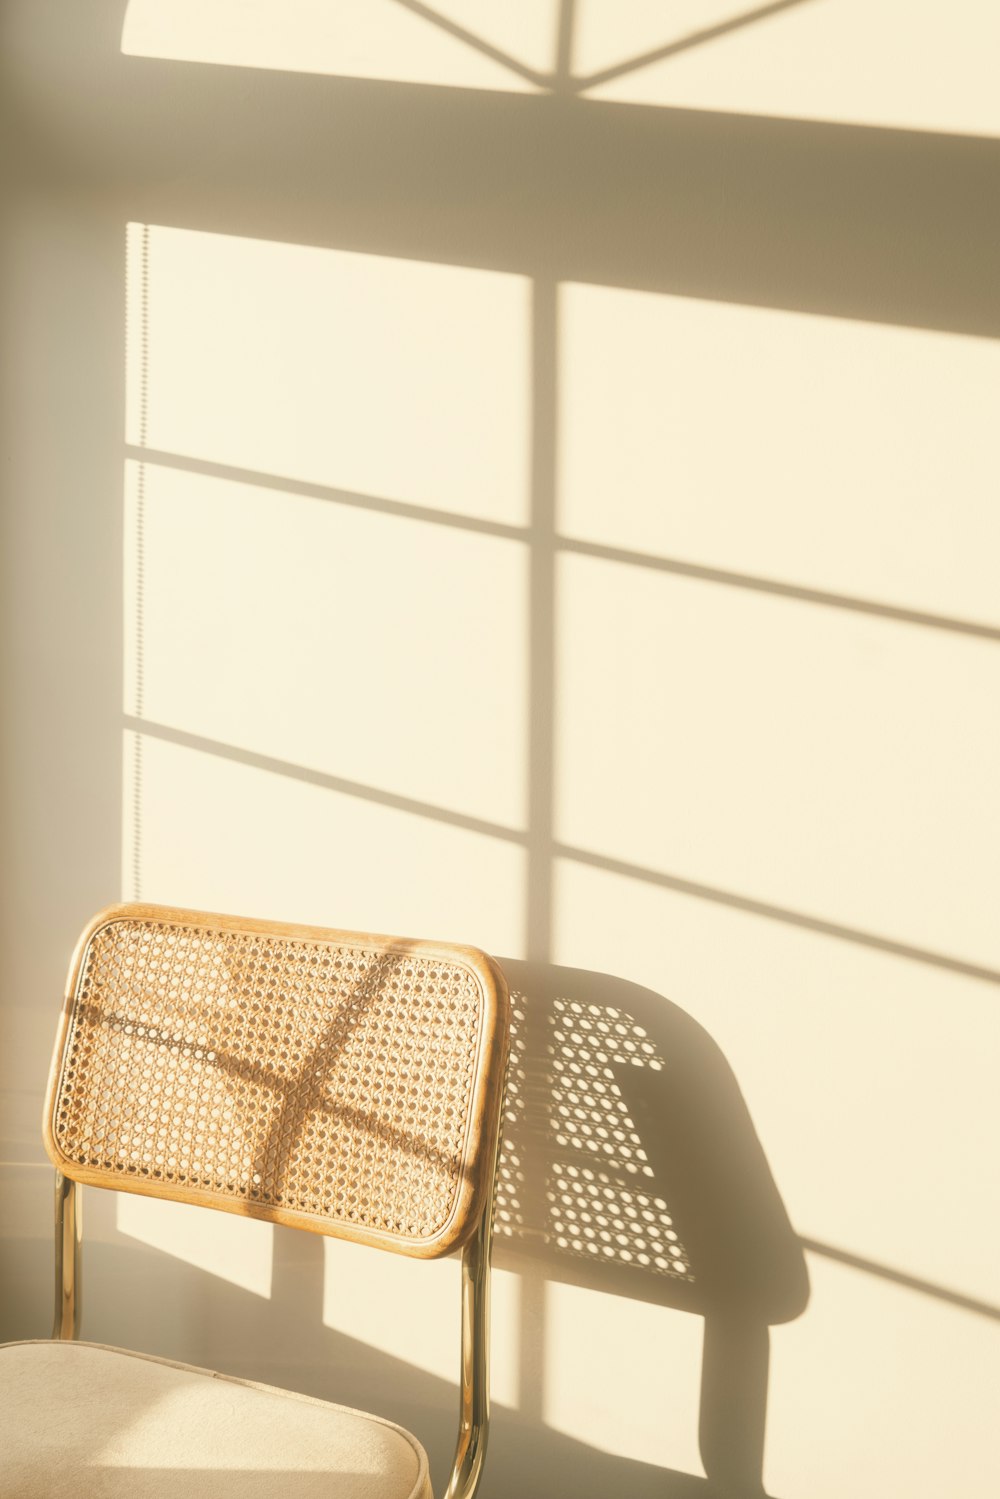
column 527, row 474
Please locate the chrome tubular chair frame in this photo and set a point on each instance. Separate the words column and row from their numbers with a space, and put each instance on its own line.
column 69, row 1237
column 474, row 1406
column 474, row 1409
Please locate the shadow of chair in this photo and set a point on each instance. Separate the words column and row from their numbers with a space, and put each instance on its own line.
column 630, row 1166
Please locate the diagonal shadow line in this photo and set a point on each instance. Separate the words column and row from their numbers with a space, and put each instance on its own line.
column 780, row 590
column 477, row 43
column 272, row 1153
column 900, row 1278
column 778, row 913
column 685, row 43
column 321, row 778
column 326, row 492
column 565, row 851
column 315, row 1066
column 459, row 522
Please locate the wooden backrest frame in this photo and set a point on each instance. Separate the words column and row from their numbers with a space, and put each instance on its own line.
column 316, row 1034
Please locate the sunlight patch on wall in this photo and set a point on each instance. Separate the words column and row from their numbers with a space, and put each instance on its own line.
column 410, row 1309
column 873, row 1151
column 830, row 762
column 396, row 379
column 622, row 1376
column 218, row 835
column 930, row 66
column 844, row 456
column 239, row 1250
column 375, row 648
column 613, row 33
column 450, row 44
column 908, row 1383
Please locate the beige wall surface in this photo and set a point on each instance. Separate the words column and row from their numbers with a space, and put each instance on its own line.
column 527, row 474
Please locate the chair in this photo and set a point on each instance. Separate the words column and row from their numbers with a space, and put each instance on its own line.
column 336, row 1082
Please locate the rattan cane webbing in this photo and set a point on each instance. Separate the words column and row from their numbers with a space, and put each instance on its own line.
column 279, row 1075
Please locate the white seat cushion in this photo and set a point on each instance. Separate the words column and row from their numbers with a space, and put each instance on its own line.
column 82, row 1420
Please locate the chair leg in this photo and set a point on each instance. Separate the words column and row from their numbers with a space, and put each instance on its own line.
column 69, row 1233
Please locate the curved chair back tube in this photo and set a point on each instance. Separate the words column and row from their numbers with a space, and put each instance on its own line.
column 474, row 1409
column 69, row 1234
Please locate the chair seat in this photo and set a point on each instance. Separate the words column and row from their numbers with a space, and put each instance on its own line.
column 83, row 1420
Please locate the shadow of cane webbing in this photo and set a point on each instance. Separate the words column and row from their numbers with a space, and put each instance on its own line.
column 630, row 1165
